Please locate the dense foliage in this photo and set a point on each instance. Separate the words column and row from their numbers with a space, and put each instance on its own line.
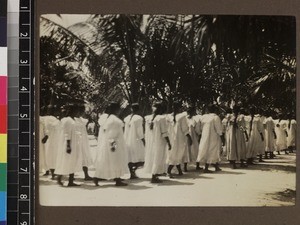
column 194, row 59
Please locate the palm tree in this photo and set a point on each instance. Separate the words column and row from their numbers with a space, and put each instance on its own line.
column 197, row 59
column 121, row 38
column 73, row 66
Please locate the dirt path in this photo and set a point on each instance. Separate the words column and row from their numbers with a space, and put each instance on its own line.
column 267, row 184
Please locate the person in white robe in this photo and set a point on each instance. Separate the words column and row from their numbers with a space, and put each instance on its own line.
column 42, row 140
column 225, row 127
column 112, row 160
column 262, row 149
column 69, row 157
column 157, row 142
column 282, row 134
column 179, row 137
column 101, row 121
column 270, row 136
column 255, row 131
column 135, row 140
column 191, row 151
column 197, row 118
column 291, row 130
column 212, row 138
column 235, row 138
column 87, row 160
column 51, row 147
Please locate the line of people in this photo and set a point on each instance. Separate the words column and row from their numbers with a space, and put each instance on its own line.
column 157, row 143
column 258, row 134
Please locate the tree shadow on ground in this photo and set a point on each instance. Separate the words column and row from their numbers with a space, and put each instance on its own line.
column 288, row 195
column 88, row 185
column 173, row 182
column 138, row 180
column 267, row 167
column 130, row 186
column 233, row 172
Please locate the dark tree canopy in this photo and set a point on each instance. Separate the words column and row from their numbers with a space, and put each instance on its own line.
column 195, row 59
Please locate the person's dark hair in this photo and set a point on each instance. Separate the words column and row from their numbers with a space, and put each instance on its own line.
column 50, row 109
column 228, row 110
column 43, row 111
column 158, row 106
column 236, row 109
column 191, row 110
column 135, row 107
column 242, row 110
column 81, row 108
column 113, row 107
column 261, row 111
column 269, row 112
column 212, row 108
column 176, row 105
column 163, row 108
column 72, row 109
column 252, row 110
column 158, row 111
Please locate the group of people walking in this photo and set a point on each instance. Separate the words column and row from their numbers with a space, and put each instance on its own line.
column 257, row 135
column 158, row 143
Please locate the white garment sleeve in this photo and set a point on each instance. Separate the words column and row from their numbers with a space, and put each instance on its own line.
column 272, row 124
column 139, row 129
column 163, row 127
column 265, row 121
column 197, row 127
column 68, row 128
column 201, row 124
column 184, row 126
column 242, row 124
column 113, row 129
column 44, row 128
column 224, row 124
column 260, row 126
column 218, row 125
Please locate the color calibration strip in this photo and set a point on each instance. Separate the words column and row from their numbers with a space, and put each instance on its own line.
column 20, row 113
column 3, row 110
column 13, row 110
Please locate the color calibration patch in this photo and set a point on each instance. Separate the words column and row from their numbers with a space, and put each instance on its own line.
column 3, row 110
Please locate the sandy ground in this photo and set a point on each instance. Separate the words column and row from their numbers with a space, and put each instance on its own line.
column 271, row 183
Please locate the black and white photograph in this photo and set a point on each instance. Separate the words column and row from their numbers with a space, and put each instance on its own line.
column 167, row 110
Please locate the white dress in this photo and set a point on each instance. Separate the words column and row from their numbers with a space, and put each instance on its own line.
column 133, row 137
column 269, row 134
column 178, row 139
column 225, row 127
column 262, row 148
column 280, row 130
column 68, row 163
column 235, row 138
column 111, row 164
column 86, row 152
column 291, row 128
column 192, row 150
column 84, row 121
column 101, row 122
column 156, row 145
column 255, row 142
column 51, row 147
column 198, row 118
column 210, row 143
column 42, row 133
